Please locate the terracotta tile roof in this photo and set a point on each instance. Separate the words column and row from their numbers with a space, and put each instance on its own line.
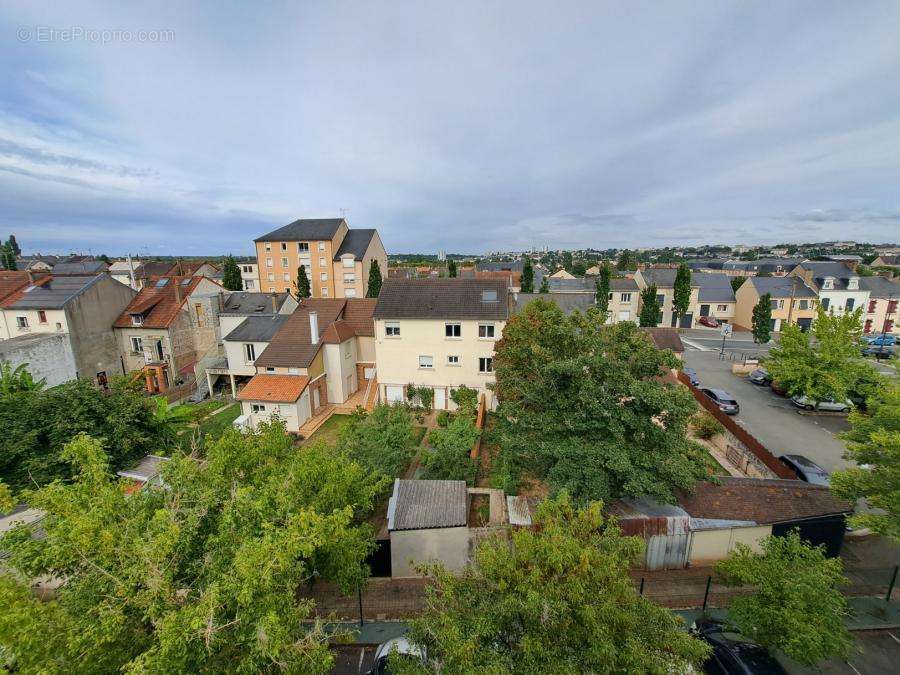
column 187, row 268
column 763, row 501
column 152, row 268
column 158, row 303
column 12, row 283
column 274, row 388
column 665, row 338
column 338, row 332
column 358, row 313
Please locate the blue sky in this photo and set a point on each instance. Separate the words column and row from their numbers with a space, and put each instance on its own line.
column 463, row 126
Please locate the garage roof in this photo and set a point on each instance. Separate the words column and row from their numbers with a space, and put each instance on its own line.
column 427, row 504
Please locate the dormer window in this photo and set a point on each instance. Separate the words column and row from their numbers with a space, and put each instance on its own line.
column 853, row 284
column 828, row 283
column 137, row 319
column 161, row 282
column 348, row 262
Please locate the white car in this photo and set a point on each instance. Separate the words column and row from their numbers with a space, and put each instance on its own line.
column 402, row 646
column 829, row 404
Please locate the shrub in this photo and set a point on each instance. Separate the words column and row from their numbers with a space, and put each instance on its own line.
column 383, row 441
column 448, row 458
column 465, row 398
column 706, row 426
column 443, row 418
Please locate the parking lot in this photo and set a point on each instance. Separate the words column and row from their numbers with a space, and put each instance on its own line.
column 877, row 652
column 773, row 420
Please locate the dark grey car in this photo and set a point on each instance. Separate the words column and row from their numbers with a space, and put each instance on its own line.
column 726, row 402
column 806, row 469
column 761, row 377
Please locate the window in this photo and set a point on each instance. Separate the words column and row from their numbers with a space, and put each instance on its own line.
column 660, row 300
column 248, row 269
column 850, row 303
column 303, row 247
column 721, row 308
column 284, row 262
column 271, row 288
column 58, row 326
column 610, row 296
column 323, row 276
column 268, row 246
column 486, row 330
column 257, row 407
column 825, row 303
column 286, row 277
column 270, row 369
column 249, row 352
column 294, row 371
column 42, row 316
column 453, row 360
column 349, row 278
column 485, row 364
column 392, row 328
column 324, row 292
column 868, row 327
column 625, row 297
column 452, row 330
column 350, row 292
column 271, row 277
column 804, row 304
column 137, row 345
column 348, row 262
column 268, row 262
column 489, row 296
column 198, row 310
column 426, row 362
column 624, row 315
column 137, row 319
column 321, row 245
column 284, row 246
column 321, row 262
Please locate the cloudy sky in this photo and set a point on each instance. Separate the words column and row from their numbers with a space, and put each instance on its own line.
column 464, row 126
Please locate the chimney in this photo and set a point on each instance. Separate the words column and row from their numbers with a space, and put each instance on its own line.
column 30, row 276
column 314, row 327
column 177, row 290
column 274, row 302
column 221, row 301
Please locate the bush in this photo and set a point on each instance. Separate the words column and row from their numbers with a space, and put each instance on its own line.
column 443, row 418
column 465, row 398
column 706, row 426
column 383, row 441
column 448, row 458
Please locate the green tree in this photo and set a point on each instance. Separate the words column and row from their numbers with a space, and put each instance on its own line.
column 38, row 423
column 8, row 258
column 201, row 576
column 829, row 368
column 681, row 295
column 14, row 245
column 579, row 268
column 170, row 421
column 651, row 313
column 737, row 282
column 383, row 441
column 796, row 606
column 14, row 380
column 302, row 287
column 527, row 283
column 873, row 443
column 545, row 285
column 374, row 280
column 567, row 261
column 626, row 260
column 602, row 293
column 762, row 319
column 558, row 600
column 451, row 268
column 231, row 275
column 466, row 399
column 582, row 405
column 448, row 458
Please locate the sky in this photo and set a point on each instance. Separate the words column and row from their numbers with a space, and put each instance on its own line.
column 192, row 128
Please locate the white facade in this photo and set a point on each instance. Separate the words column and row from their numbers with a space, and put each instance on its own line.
column 294, row 414
column 16, row 322
column 249, row 276
column 340, row 366
column 442, row 354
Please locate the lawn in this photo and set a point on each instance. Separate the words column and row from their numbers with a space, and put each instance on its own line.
column 198, row 411
column 214, row 425
column 330, row 431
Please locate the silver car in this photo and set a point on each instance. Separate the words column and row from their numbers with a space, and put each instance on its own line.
column 826, row 405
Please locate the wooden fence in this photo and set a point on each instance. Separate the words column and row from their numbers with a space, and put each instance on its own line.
column 758, row 449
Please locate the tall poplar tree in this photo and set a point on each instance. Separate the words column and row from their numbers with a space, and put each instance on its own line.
column 527, row 283
column 603, row 290
column 651, row 313
column 231, row 275
column 762, row 319
column 374, row 280
column 681, row 297
column 302, row 289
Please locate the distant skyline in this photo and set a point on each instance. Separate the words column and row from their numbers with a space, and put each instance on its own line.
column 464, row 126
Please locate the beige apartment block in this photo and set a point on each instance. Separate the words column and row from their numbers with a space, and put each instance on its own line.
column 793, row 302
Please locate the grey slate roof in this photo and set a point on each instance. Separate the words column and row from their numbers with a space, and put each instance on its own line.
column 662, row 277
column 838, row 270
column 567, row 302
column 880, row 287
column 713, row 287
column 771, row 265
column 427, row 504
column 623, row 284
column 305, row 229
column 356, row 242
column 87, row 267
column 442, row 299
column 577, row 285
column 148, row 467
column 54, row 293
column 780, row 287
column 257, row 328
column 245, row 302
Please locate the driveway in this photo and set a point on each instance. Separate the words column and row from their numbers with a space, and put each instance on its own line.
column 772, row 419
column 877, row 652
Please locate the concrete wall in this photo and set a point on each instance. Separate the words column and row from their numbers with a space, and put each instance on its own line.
column 709, row 546
column 90, row 317
column 47, row 357
column 447, row 545
column 340, row 364
column 237, row 364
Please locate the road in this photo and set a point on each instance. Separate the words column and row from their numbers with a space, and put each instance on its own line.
column 878, row 653
column 772, row 419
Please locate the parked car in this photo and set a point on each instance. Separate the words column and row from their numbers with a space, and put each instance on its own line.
column 879, row 351
column 708, row 321
column 732, row 653
column 826, row 405
column 692, row 375
column 382, row 655
column 806, row 469
column 726, row 402
column 761, row 377
column 887, row 339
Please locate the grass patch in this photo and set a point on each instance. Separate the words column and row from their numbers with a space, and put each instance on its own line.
column 198, row 411
column 330, row 431
column 419, row 433
column 214, row 426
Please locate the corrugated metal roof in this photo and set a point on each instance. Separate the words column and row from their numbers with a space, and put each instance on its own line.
column 517, row 508
column 428, row 504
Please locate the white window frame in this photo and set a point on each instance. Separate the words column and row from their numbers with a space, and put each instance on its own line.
column 137, row 345
column 453, row 327
column 323, row 276
column 485, row 365
column 350, row 278
column 42, row 316
column 392, row 329
column 269, row 262
column 257, row 408
column 350, row 292
column 721, row 308
column 625, row 297
column 453, row 360
column 303, row 247
column 428, row 364
column 493, row 331
column 268, row 246
column 137, row 320
column 321, row 245
column 324, row 291
column 348, row 262
column 271, row 276
column 284, row 262
column 286, row 276
column 249, row 352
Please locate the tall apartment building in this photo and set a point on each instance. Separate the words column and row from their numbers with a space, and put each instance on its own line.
column 336, row 258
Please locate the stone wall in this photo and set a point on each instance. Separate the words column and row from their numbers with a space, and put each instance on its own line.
column 48, row 356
